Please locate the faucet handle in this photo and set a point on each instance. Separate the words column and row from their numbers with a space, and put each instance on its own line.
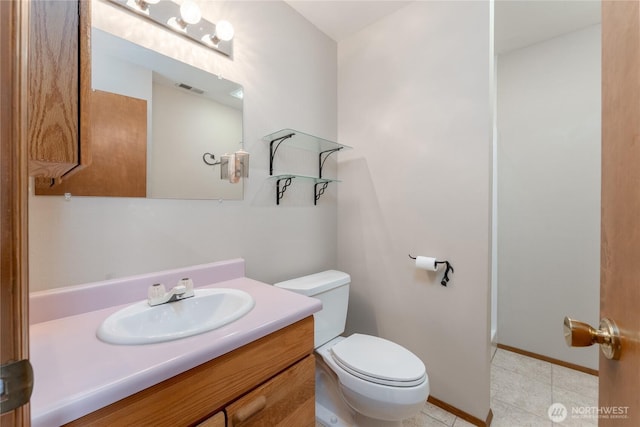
column 185, row 287
column 187, row 283
column 155, row 291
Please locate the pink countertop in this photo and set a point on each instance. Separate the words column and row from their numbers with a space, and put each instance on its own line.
column 76, row 373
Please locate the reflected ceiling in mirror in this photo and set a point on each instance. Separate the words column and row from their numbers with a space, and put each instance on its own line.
column 189, row 112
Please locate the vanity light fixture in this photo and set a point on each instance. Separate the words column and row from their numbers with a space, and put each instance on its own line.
column 141, row 6
column 184, row 19
column 189, row 15
column 224, row 32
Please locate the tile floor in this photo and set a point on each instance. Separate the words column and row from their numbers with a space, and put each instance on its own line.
column 522, row 389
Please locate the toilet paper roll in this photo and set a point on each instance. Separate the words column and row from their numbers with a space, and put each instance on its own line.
column 426, row 263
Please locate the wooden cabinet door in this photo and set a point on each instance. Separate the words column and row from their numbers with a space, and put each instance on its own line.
column 286, row 400
column 119, row 151
column 58, row 82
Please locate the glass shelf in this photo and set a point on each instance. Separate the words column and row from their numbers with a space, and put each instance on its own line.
column 320, row 185
column 297, row 139
column 315, row 179
column 304, row 141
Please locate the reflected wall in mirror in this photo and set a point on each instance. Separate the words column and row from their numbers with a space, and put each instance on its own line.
column 189, row 112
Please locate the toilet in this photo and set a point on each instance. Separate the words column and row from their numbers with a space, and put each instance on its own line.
column 361, row 380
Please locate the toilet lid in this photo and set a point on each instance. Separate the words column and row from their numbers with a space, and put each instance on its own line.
column 378, row 360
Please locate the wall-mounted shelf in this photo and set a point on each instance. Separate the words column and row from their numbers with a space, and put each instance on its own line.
column 296, row 139
column 319, row 184
column 301, row 140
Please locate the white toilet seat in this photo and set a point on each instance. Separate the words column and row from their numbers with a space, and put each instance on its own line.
column 379, row 361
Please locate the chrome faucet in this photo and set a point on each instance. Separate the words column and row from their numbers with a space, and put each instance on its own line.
column 157, row 293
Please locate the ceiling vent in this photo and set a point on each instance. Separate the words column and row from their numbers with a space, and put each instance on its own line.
column 190, row 88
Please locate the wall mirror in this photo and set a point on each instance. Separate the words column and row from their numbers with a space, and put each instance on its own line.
column 153, row 118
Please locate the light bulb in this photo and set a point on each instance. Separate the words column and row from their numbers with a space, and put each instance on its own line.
column 224, row 30
column 190, row 12
column 141, row 6
column 177, row 24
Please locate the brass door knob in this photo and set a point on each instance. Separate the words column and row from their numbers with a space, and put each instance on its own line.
column 580, row 334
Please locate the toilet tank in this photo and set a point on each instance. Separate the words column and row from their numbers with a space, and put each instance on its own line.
column 332, row 288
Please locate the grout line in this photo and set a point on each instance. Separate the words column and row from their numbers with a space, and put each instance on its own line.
column 519, row 408
column 438, row 421
column 554, row 387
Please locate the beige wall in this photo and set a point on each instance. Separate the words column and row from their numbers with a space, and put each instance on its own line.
column 549, row 193
column 414, row 101
column 288, row 70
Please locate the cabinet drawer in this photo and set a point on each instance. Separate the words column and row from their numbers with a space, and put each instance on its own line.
column 286, row 400
column 217, row 420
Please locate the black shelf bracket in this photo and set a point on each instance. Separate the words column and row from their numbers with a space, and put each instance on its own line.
column 321, row 160
column 321, row 192
column 273, row 150
column 280, row 191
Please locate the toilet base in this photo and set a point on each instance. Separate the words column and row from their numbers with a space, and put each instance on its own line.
column 331, row 408
column 327, row 418
column 362, row 421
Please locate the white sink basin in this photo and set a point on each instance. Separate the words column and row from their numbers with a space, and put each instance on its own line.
column 207, row 310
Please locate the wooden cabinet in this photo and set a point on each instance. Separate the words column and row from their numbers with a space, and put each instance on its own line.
column 118, row 149
column 58, row 86
column 286, row 400
column 269, row 382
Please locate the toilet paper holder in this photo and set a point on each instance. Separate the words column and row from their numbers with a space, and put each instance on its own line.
column 449, row 268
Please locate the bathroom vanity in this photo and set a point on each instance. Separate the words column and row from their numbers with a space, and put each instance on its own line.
column 264, row 383
column 256, row 371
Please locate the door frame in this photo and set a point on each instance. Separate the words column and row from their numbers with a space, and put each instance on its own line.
column 14, row 288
